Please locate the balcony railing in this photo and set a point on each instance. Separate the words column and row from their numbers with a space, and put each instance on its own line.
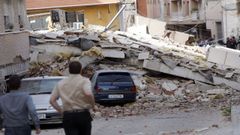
column 179, row 17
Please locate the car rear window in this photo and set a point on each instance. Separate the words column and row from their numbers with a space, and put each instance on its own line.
column 114, row 77
column 38, row 86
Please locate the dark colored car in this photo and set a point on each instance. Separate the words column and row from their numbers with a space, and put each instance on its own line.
column 113, row 86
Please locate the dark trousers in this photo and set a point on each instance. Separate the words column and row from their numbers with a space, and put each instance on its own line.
column 77, row 123
column 25, row 130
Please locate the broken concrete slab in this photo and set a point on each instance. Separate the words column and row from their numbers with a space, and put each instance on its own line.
column 138, row 29
column 143, row 55
column 229, row 75
column 111, row 46
column 53, row 48
column 180, row 37
column 155, row 65
column 187, row 73
column 232, row 84
column 91, row 37
column 109, row 53
column 224, row 56
column 156, row 27
column 169, row 62
column 51, row 35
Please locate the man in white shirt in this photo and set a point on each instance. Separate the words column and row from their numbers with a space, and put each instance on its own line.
column 77, row 98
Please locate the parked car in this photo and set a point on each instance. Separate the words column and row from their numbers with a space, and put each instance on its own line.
column 40, row 89
column 113, row 86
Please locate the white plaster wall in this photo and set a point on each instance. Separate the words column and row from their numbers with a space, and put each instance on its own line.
column 214, row 10
column 214, row 13
column 12, row 45
column 231, row 20
column 156, row 27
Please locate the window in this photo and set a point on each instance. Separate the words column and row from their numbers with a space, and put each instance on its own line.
column 71, row 17
column 38, row 86
column 20, row 21
column 8, row 15
column 7, row 24
column 20, row 14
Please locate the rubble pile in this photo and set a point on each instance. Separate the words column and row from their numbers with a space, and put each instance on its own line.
column 168, row 74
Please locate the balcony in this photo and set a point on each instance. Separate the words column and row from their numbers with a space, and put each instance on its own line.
column 179, row 18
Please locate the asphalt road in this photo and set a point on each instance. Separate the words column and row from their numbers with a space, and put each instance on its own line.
column 200, row 122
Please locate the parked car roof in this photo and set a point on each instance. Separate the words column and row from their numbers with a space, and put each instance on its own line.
column 44, row 77
column 107, row 71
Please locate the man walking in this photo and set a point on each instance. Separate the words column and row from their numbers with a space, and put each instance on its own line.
column 77, row 98
column 15, row 107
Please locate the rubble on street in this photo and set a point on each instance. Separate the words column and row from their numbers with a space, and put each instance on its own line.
column 169, row 75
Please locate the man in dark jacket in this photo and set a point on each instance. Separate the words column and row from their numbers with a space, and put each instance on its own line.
column 15, row 107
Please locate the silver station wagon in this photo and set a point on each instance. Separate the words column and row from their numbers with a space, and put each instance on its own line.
column 40, row 88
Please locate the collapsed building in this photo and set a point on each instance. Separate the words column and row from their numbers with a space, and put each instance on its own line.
column 168, row 73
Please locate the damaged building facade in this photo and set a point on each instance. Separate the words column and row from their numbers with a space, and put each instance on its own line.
column 96, row 12
column 202, row 18
column 14, row 39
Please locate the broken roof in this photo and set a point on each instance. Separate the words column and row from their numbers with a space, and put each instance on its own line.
column 51, row 4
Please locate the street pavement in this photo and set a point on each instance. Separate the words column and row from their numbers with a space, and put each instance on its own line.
column 200, row 122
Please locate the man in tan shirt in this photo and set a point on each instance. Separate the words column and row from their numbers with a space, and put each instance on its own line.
column 77, row 98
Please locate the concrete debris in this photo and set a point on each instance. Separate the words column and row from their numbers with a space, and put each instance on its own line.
column 109, row 53
column 94, row 51
column 169, row 62
column 143, row 56
column 169, row 86
column 34, row 56
column 51, row 35
column 156, row 27
column 169, row 74
column 86, row 60
column 217, row 91
column 224, row 56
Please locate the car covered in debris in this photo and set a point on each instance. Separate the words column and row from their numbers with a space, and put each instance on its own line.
column 113, row 86
column 40, row 88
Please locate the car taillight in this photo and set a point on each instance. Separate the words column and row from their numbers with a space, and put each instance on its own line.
column 134, row 89
column 97, row 89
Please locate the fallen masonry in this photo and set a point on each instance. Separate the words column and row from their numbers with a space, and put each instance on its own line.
column 167, row 74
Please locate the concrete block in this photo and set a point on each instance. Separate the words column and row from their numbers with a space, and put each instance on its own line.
column 51, row 35
column 233, row 59
column 143, row 56
column 224, row 56
column 138, row 29
column 156, row 27
column 217, row 55
column 180, row 37
column 108, row 53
